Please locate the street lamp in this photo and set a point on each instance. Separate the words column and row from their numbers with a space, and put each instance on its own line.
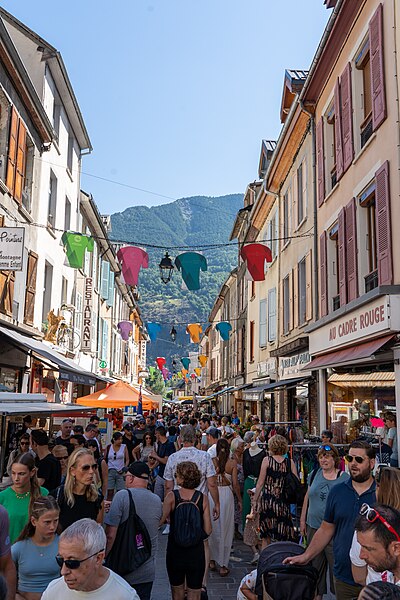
column 166, row 267
column 173, row 333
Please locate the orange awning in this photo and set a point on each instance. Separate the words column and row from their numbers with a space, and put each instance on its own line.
column 117, row 395
column 346, row 356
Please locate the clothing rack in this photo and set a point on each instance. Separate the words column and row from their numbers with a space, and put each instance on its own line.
column 281, row 423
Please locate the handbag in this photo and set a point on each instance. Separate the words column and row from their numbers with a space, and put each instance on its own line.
column 292, row 491
column 132, row 545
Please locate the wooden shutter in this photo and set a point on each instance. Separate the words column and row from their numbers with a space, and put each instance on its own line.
column 342, row 257
column 21, row 163
column 351, row 251
column 347, row 117
column 320, row 161
column 291, row 303
column 377, row 68
column 296, row 296
column 12, row 151
column 383, row 226
column 309, row 308
column 338, row 132
column 7, row 279
column 30, row 288
column 323, row 271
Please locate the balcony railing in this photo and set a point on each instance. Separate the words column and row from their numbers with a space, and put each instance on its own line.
column 371, row 281
column 336, row 302
column 366, row 130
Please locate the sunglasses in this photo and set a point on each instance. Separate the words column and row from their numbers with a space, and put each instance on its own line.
column 24, row 443
column 94, row 466
column 358, row 459
column 372, row 515
column 326, row 448
column 62, row 457
column 74, row 563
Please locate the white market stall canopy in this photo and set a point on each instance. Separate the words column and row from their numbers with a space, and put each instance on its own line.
column 24, row 404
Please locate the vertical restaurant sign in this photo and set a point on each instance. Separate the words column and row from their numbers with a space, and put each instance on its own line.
column 11, row 248
column 87, row 315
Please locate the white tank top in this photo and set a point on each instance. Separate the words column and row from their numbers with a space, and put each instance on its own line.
column 116, row 459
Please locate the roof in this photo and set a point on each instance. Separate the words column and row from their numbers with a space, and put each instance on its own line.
column 59, row 73
column 293, row 83
column 267, row 149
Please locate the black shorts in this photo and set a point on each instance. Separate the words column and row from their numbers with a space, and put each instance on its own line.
column 186, row 564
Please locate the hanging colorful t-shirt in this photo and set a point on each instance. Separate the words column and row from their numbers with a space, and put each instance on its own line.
column 197, row 370
column 160, row 360
column 132, row 258
column 203, row 359
column 190, row 263
column 75, row 245
column 194, row 330
column 153, row 330
column 256, row 255
column 125, row 328
column 224, row 328
column 186, row 362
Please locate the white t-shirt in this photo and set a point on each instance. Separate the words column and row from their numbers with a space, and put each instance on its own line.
column 115, row 587
column 248, row 580
column 202, row 459
column 359, row 562
column 212, row 451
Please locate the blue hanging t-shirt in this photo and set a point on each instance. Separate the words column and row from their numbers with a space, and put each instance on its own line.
column 224, row 328
column 190, row 263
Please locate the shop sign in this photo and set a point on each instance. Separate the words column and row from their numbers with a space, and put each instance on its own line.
column 290, row 366
column 266, row 368
column 102, row 364
column 250, row 396
column 379, row 316
column 87, row 315
column 11, row 248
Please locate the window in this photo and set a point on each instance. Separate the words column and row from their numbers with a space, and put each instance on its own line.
column 273, row 234
column 48, row 282
column 301, row 192
column 251, row 341
column 334, row 252
column 286, row 223
column 70, row 154
column 30, row 288
column 263, row 324
column 253, row 289
column 368, row 216
column 52, row 201
column 105, row 279
column 272, row 315
column 286, row 305
column 56, row 116
column 363, row 78
column 78, row 312
column 64, row 290
column 302, row 291
column 67, row 215
column 330, row 148
column 19, row 161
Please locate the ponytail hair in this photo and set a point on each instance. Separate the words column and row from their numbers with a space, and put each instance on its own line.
column 28, row 461
column 39, row 507
column 222, row 454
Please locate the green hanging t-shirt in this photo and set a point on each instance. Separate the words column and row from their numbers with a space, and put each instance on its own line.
column 75, row 245
column 18, row 509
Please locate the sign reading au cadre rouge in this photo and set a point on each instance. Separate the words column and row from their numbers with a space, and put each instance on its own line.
column 11, row 248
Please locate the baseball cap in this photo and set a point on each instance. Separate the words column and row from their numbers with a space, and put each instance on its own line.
column 127, row 425
column 138, row 469
column 213, row 431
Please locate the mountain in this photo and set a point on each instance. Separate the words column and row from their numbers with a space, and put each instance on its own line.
column 198, row 220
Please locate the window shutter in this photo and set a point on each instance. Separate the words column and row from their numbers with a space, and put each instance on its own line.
column 342, row 257
column 7, row 279
column 305, row 199
column 272, row 315
column 263, row 324
column 323, row 274
column 383, row 226
column 105, row 279
column 351, row 251
column 377, row 68
column 30, row 288
column 296, row 296
column 295, row 200
column 291, row 302
column 110, row 297
column 320, row 161
column 338, row 132
column 12, row 151
column 347, row 117
column 281, row 303
column 309, row 308
column 21, row 163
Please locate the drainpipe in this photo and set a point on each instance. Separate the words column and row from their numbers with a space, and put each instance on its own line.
column 315, row 209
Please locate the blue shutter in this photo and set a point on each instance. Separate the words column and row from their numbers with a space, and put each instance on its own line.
column 105, row 278
column 263, row 323
column 104, row 341
column 272, row 315
column 110, row 297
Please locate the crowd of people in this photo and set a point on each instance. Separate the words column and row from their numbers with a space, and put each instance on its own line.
column 80, row 517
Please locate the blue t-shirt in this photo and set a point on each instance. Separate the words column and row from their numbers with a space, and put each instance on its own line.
column 36, row 565
column 342, row 509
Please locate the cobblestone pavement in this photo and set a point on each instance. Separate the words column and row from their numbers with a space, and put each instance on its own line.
column 219, row 588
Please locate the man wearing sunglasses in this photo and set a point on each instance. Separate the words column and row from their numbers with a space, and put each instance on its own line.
column 80, row 556
column 378, row 533
column 342, row 509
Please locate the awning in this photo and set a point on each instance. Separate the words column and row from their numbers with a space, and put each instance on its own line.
column 231, row 388
column 349, row 355
column 11, row 404
column 283, row 383
column 68, row 370
column 363, row 380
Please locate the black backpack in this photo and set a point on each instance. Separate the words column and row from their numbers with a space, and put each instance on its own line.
column 293, row 492
column 188, row 520
column 132, row 545
column 284, row 582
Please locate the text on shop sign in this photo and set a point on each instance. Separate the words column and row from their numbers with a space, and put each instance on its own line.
column 360, row 322
column 87, row 315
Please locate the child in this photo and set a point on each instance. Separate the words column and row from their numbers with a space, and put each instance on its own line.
column 251, row 529
column 247, row 586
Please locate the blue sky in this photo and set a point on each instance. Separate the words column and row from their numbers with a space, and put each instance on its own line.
column 176, row 94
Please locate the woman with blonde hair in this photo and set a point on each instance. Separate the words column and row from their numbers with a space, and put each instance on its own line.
column 34, row 553
column 237, row 449
column 79, row 496
column 19, row 497
column 275, row 519
column 387, row 492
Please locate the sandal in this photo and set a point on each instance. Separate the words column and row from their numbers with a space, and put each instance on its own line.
column 224, row 571
column 212, row 566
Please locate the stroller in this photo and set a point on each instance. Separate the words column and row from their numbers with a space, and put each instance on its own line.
column 276, row 581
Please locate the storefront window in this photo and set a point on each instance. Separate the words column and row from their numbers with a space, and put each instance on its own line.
column 49, row 385
column 9, row 379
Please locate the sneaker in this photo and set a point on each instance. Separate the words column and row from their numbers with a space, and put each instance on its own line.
column 255, row 559
column 166, row 530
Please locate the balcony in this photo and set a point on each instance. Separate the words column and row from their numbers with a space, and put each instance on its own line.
column 371, row 281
